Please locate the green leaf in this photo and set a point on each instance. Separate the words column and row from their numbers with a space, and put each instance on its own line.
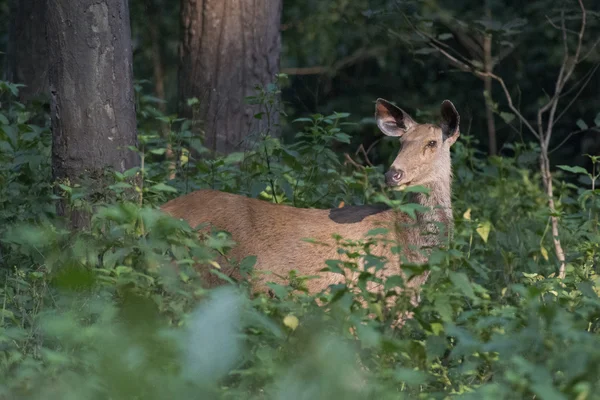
column 193, row 101
column 342, row 137
column 65, row 188
column 581, row 124
column 575, row 170
column 483, row 229
column 161, row 187
column 368, row 336
column 445, row 36
column 378, row 231
column 234, row 158
column 247, row 264
column 544, row 253
column 334, row 266
column 547, row 392
column 507, row 117
column 597, row 119
column 461, row 282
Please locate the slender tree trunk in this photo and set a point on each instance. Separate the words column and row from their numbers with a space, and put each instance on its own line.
column 487, row 82
column 547, row 181
column 158, row 71
column 91, row 88
column 228, row 47
column 26, row 53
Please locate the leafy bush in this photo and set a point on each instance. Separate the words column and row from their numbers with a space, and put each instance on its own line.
column 119, row 310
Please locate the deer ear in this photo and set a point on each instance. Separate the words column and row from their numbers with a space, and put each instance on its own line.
column 391, row 120
column 450, row 122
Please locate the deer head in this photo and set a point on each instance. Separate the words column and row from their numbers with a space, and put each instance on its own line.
column 424, row 157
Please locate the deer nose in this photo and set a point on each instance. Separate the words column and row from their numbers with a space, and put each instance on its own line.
column 394, row 176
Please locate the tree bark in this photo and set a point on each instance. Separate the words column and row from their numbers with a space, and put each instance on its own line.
column 228, row 47
column 487, row 82
column 91, row 92
column 158, row 70
column 26, row 53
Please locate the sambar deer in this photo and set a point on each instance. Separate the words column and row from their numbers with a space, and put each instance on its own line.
column 274, row 233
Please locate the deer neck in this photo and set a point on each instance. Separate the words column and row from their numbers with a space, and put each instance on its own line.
column 439, row 207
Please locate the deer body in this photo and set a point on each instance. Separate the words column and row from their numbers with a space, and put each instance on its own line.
column 276, row 233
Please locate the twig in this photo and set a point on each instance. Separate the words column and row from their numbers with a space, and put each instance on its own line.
column 553, row 24
column 571, row 134
column 362, row 149
column 373, row 145
column 351, row 161
column 510, row 102
column 592, row 48
column 583, row 86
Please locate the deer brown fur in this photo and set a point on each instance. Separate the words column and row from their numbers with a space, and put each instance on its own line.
column 275, row 233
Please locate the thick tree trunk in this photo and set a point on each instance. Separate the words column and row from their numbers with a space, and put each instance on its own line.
column 228, row 48
column 91, row 91
column 26, row 53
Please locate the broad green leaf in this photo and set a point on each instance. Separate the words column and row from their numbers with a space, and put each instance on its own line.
column 248, row 263
column 483, row 229
column 575, row 170
column 461, row 281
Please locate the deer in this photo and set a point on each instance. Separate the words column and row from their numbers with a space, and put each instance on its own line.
column 276, row 233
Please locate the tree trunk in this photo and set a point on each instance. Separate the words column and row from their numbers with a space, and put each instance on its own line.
column 228, row 47
column 488, row 65
column 158, row 70
column 26, row 53
column 153, row 12
column 91, row 92
column 489, row 114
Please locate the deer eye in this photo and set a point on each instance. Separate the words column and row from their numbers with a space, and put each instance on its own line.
column 431, row 143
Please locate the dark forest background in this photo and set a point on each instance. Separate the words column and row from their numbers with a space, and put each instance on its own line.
column 342, row 55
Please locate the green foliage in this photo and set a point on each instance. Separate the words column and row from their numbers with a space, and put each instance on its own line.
column 120, row 310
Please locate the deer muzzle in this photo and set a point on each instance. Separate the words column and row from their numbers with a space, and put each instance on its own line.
column 394, row 177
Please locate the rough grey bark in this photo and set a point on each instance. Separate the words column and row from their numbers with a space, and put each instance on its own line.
column 91, row 91
column 26, row 53
column 228, row 47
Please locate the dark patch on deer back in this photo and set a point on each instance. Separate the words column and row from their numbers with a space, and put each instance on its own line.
column 354, row 214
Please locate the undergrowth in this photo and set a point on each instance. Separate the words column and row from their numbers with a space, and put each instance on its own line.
column 119, row 311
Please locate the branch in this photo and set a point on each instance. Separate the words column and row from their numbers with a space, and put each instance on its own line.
column 510, row 102
column 474, row 47
column 351, row 161
column 564, row 75
column 463, row 64
column 360, row 149
column 592, row 48
column 470, row 68
column 357, row 56
column 589, row 76
column 569, row 137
